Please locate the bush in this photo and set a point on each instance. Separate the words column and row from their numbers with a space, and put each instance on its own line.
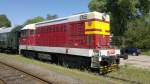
column 138, row 33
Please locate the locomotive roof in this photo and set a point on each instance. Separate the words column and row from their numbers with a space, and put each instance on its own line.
column 29, row 26
column 77, row 17
column 6, row 30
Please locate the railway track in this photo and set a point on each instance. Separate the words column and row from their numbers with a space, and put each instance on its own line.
column 12, row 75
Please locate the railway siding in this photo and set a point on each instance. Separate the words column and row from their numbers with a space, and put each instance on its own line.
column 10, row 75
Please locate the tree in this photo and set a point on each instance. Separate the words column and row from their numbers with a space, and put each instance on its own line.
column 98, row 5
column 121, row 11
column 144, row 6
column 138, row 33
column 50, row 17
column 34, row 20
column 4, row 21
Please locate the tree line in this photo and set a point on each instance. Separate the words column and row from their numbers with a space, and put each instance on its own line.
column 130, row 20
column 5, row 22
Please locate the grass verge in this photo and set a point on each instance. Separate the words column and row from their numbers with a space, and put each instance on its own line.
column 146, row 53
column 132, row 75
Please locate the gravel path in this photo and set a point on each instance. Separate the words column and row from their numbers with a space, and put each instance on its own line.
column 141, row 61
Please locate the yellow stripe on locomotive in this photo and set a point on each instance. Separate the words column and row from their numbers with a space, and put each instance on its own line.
column 100, row 25
column 97, row 25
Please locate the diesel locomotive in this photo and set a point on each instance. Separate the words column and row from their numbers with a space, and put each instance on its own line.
column 81, row 40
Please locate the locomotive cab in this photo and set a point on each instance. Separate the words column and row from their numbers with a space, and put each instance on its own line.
column 98, row 28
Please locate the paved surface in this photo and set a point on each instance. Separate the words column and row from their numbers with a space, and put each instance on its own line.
column 140, row 61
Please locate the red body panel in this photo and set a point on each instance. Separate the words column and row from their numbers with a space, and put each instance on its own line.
column 71, row 35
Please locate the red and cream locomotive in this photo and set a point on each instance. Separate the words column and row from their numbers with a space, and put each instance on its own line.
column 81, row 40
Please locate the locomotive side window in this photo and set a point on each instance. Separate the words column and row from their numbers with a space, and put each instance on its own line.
column 31, row 32
column 24, row 33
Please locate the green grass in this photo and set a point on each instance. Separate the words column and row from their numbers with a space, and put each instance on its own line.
column 146, row 53
column 126, row 72
column 133, row 74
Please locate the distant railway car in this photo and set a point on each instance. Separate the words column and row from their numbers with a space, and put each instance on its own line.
column 9, row 39
column 81, row 40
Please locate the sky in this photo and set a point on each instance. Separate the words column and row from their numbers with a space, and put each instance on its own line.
column 18, row 11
